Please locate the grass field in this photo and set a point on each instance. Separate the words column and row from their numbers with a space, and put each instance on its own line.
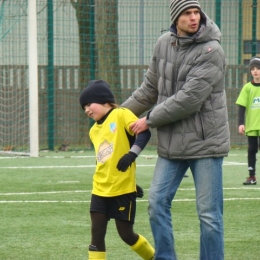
column 44, row 204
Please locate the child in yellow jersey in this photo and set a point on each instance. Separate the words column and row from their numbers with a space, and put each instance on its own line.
column 114, row 182
column 249, row 117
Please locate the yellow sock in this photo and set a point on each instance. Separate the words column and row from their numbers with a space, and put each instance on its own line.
column 96, row 255
column 143, row 248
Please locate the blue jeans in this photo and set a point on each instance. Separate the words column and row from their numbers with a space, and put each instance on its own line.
column 207, row 175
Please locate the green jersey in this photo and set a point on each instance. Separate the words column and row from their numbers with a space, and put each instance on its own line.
column 249, row 98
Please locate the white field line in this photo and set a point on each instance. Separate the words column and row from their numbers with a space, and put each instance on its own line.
column 93, row 165
column 89, row 191
column 52, row 157
column 44, row 192
column 88, row 201
column 48, row 167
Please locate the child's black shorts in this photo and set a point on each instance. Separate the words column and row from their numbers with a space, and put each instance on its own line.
column 121, row 207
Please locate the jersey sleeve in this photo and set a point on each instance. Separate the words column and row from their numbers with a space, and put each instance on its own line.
column 243, row 96
column 141, row 139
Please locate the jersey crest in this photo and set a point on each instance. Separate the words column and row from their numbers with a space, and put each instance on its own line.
column 112, row 127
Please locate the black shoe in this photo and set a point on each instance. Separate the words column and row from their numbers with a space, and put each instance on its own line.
column 250, row 181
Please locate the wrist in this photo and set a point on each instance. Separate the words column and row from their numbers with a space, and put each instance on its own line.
column 133, row 154
column 136, row 150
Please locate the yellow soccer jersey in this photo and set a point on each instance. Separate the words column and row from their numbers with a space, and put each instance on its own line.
column 111, row 142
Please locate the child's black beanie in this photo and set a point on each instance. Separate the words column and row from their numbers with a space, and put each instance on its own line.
column 97, row 91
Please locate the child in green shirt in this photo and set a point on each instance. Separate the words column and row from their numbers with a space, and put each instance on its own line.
column 249, row 117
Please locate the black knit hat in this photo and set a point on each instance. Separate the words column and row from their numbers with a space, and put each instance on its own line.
column 254, row 62
column 179, row 6
column 97, row 91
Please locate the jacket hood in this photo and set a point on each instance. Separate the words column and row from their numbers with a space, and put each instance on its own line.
column 208, row 31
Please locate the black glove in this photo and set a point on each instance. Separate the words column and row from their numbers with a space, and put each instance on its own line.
column 125, row 161
column 139, row 192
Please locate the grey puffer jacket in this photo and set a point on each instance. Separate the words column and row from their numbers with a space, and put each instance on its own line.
column 184, row 86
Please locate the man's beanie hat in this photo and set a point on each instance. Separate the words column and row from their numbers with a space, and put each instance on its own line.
column 97, row 91
column 179, row 6
column 254, row 62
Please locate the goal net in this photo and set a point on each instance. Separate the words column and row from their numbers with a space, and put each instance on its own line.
column 14, row 78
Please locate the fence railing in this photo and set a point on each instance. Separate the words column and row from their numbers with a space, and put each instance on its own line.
column 67, row 77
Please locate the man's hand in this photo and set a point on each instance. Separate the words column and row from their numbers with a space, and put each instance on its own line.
column 139, row 126
column 125, row 161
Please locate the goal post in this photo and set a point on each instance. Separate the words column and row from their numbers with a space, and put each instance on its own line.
column 33, row 79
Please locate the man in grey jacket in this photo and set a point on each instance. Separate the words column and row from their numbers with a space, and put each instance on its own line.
column 184, row 92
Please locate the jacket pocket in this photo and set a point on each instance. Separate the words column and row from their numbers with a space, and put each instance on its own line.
column 201, row 127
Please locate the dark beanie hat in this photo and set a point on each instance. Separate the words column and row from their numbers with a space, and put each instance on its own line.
column 254, row 62
column 179, row 6
column 97, row 91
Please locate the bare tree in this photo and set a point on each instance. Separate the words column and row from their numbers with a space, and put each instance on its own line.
column 107, row 44
column 82, row 8
column 106, row 41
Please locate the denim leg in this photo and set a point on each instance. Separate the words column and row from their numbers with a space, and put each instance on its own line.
column 167, row 178
column 207, row 174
